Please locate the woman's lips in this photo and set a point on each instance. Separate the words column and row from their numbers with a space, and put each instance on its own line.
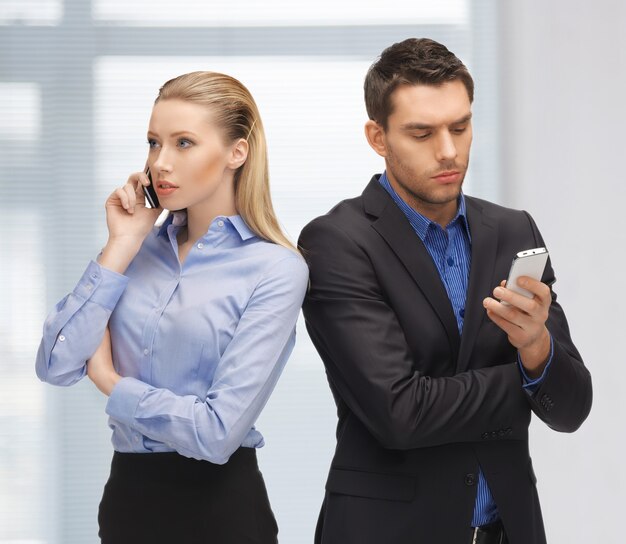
column 164, row 188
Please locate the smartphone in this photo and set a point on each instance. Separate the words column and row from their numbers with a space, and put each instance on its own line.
column 150, row 193
column 531, row 263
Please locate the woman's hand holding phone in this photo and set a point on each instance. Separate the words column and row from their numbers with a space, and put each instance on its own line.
column 129, row 221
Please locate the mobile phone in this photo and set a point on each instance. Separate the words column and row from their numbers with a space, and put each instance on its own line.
column 531, row 263
column 150, row 193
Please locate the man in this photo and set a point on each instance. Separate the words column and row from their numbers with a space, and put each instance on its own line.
column 434, row 365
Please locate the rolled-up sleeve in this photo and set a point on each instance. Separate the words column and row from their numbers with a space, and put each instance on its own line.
column 75, row 327
column 212, row 428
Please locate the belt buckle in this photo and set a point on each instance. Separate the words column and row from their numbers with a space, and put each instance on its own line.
column 475, row 536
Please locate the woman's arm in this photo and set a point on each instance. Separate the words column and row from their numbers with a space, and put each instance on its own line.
column 213, row 427
column 100, row 367
column 74, row 329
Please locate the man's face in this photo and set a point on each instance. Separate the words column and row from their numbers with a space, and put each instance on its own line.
column 427, row 144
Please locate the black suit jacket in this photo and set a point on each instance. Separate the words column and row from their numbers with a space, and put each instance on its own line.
column 420, row 408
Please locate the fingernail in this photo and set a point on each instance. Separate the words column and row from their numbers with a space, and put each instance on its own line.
column 485, row 302
column 498, row 291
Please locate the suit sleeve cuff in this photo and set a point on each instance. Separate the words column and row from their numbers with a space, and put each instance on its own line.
column 531, row 385
column 125, row 398
column 101, row 285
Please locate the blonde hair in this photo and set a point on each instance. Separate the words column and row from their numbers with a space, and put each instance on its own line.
column 235, row 112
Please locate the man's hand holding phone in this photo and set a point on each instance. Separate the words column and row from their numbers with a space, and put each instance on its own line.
column 523, row 318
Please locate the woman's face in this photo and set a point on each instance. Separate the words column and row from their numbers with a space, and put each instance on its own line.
column 188, row 159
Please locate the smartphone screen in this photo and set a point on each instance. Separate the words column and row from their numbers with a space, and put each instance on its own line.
column 150, row 193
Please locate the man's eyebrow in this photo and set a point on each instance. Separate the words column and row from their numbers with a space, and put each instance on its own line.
column 424, row 126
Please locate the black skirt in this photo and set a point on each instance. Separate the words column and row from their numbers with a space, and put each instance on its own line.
column 167, row 498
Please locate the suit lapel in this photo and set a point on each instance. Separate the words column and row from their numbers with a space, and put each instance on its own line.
column 484, row 233
column 396, row 230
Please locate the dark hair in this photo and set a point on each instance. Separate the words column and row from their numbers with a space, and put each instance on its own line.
column 410, row 62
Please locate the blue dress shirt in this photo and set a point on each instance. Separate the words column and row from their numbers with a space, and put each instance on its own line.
column 450, row 249
column 199, row 346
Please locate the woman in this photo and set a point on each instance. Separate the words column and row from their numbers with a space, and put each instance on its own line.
column 201, row 313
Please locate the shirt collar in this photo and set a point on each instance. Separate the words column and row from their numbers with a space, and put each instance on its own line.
column 241, row 226
column 179, row 219
column 419, row 222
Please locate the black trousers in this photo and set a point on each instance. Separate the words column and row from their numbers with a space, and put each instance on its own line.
column 167, row 498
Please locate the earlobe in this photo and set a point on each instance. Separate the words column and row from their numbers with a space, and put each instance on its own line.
column 375, row 135
column 239, row 154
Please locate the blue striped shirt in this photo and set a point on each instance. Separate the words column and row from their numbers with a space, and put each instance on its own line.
column 450, row 249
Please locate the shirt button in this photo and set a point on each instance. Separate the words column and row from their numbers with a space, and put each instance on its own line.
column 470, row 479
column 94, row 276
column 200, row 245
column 220, row 223
column 61, row 338
column 450, row 261
column 146, row 351
column 89, row 287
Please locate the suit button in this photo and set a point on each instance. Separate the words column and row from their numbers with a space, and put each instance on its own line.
column 484, row 436
column 501, row 433
column 470, row 479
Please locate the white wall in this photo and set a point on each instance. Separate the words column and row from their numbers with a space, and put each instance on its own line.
column 563, row 76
